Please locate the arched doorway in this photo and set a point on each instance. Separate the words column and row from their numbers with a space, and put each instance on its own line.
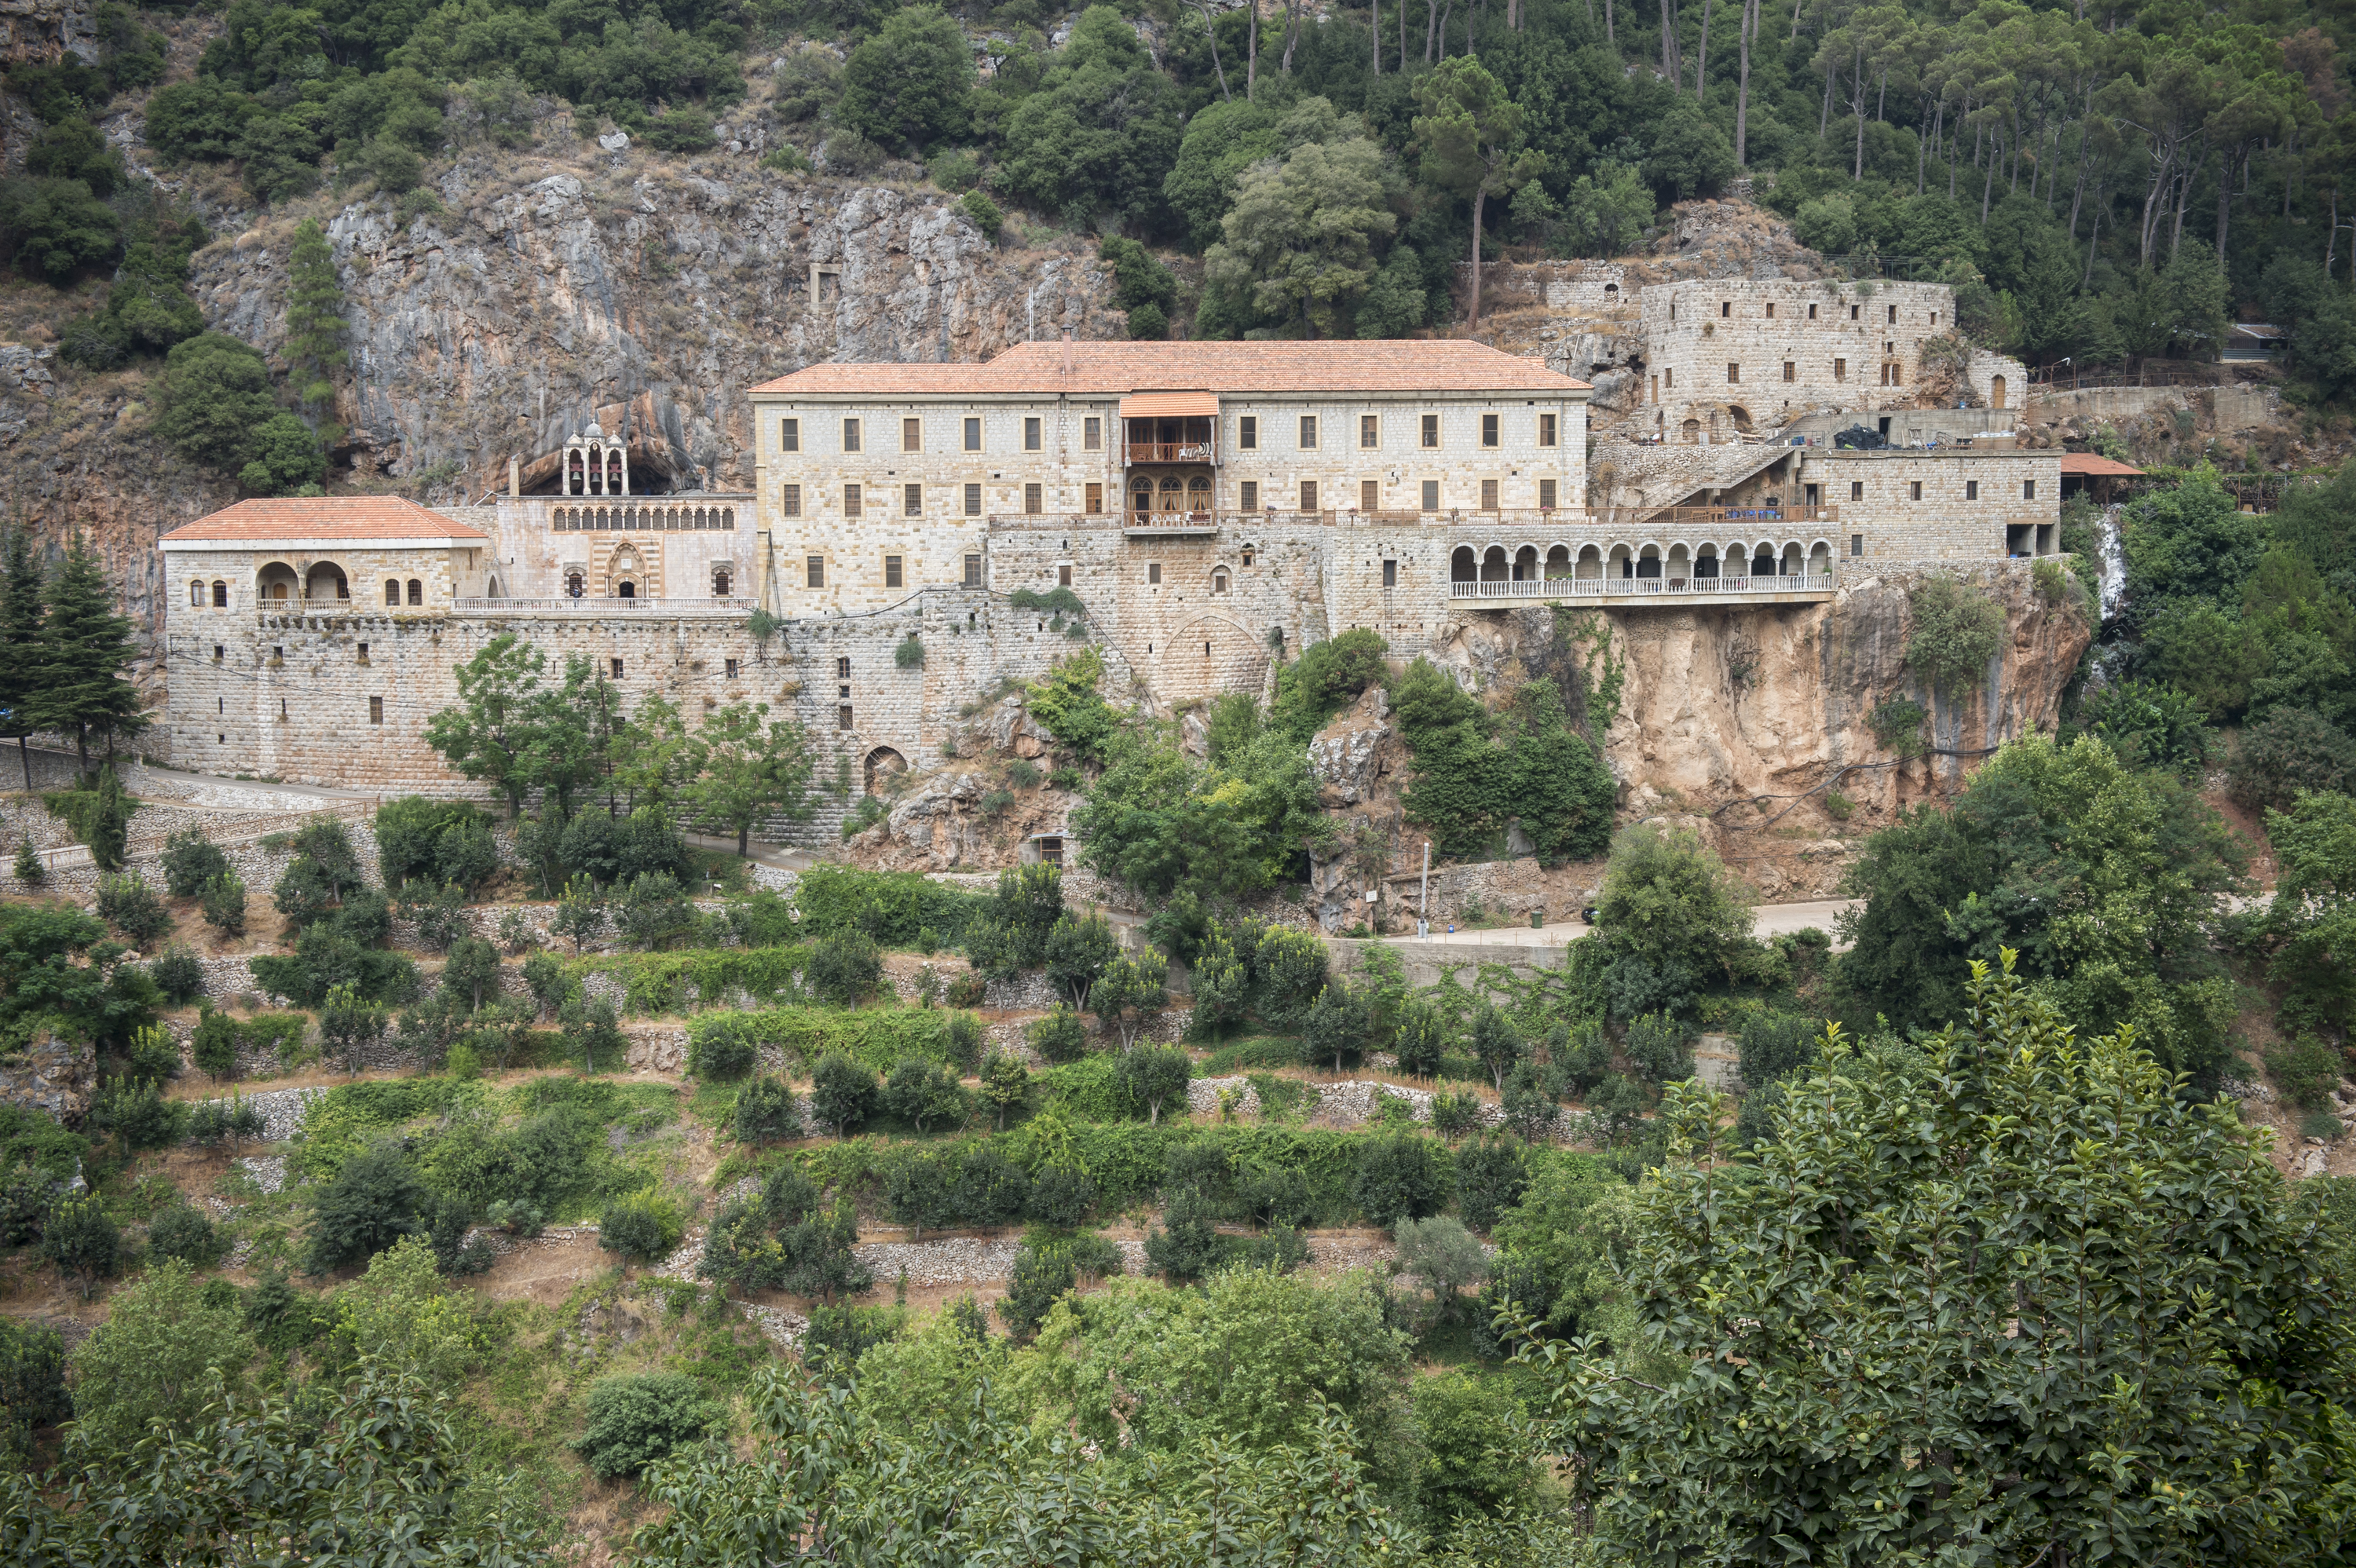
column 1492, row 565
column 1692, row 430
column 325, row 580
column 884, row 764
column 1460, row 565
column 1996, row 391
column 276, row 581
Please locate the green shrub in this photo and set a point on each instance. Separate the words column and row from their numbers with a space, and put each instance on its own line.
column 642, row 1226
column 846, row 968
column 1490, row 1176
column 2320, row 1125
column 1659, row 1048
column 1897, row 726
column 33, row 1391
column 2290, row 750
column 890, row 906
column 178, row 975
column 190, row 862
column 767, row 1112
column 185, row 1232
column 221, row 901
column 1400, row 1177
column 1059, row 1037
column 34, row 1139
column 140, row 1117
column 373, row 1202
column 1954, row 631
column 2306, row 1071
column 130, row 905
column 842, row 1093
column 721, row 1054
column 982, row 213
column 638, row 1418
column 80, row 1239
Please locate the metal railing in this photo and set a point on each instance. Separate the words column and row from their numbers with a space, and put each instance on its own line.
column 600, row 604
column 1171, row 452
column 1642, row 587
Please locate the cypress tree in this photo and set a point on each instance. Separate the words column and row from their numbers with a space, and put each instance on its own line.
column 315, row 324
column 20, row 637
column 84, row 648
column 108, row 821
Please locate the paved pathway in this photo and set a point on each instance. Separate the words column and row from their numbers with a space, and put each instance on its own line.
column 1769, row 919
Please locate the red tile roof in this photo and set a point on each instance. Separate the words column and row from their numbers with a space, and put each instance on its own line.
column 1104, row 369
column 326, row 518
column 2090, row 465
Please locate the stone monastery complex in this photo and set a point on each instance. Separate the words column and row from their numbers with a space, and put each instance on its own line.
column 1207, row 503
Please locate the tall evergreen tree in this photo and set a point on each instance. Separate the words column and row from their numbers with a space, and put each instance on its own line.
column 315, row 324
column 84, row 648
column 20, row 636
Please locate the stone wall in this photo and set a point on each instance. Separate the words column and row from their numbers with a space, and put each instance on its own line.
column 51, row 1076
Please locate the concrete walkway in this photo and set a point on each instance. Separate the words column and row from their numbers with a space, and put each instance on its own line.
column 1768, row 920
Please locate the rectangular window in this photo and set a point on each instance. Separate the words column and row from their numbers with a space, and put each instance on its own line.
column 789, row 501
column 1840, row 369
column 376, row 710
column 1791, row 371
column 1488, row 495
column 1914, row 489
column 1546, row 495
column 1095, row 498
column 1370, row 494
column 1309, row 495
column 1247, row 495
column 842, row 669
column 1857, row 489
column 1545, row 429
column 2029, row 489
column 891, row 578
column 1431, row 495
column 973, row 500
column 1725, row 308
column 1770, row 311
column 1431, row 431
column 1031, row 432
column 1092, row 435
column 729, row 670
column 1488, row 430
column 973, row 436
column 1034, row 500
column 1153, row 573
column 1248, row 432
column 1934, row 320
column 1852, row 313
column 1733, row 373
column 617, row 669
column 1856, row 545
column 1064, row 575
column 842, row 717
column 1893, row 316
column 973, row 571
column 850, row 435
column 912, row 500
column 1669, row 377
column 1390, row 574
column 1309, row 432
column 851, row 501
column 1812, row 312
column 912, row 435
column 816, row 566
column 1971, row 489
column 789, row 435
column 1370, row 430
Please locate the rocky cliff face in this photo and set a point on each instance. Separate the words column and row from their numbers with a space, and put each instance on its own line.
column 647, row 293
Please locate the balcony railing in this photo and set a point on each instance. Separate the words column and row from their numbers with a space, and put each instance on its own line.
column 1172, row 452
column 1711, row 516
column 1644, row 587
column 600, row 604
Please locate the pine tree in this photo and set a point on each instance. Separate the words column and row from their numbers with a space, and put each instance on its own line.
column 84, row 648
column 315, row 324
column 20, row 636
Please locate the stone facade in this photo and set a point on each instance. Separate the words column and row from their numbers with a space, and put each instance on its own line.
column 1726, row 356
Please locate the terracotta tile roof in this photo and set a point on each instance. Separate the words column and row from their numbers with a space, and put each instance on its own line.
column 326, row 518
column 2090, row 465
column 1111, row 370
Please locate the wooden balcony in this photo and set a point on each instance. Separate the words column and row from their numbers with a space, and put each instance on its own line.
column 1137, row 451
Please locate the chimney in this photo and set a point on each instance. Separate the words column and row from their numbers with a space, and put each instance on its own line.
column 515, row 476
column 1067, row 351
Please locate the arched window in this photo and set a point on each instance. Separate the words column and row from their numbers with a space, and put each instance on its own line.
column 196, row 595
column 220, row 594
column 1142, row 497
column 492, row 590
column 1219, row 580
column 416, row 592
column 573, row 585
column 392, row 591
column 721, row 582
column 626, row 591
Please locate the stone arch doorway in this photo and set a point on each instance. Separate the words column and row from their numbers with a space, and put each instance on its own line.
column 884, row 764
column 327, row 581
column 625, row 573
column 1691, row 430
column 1996, row 392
